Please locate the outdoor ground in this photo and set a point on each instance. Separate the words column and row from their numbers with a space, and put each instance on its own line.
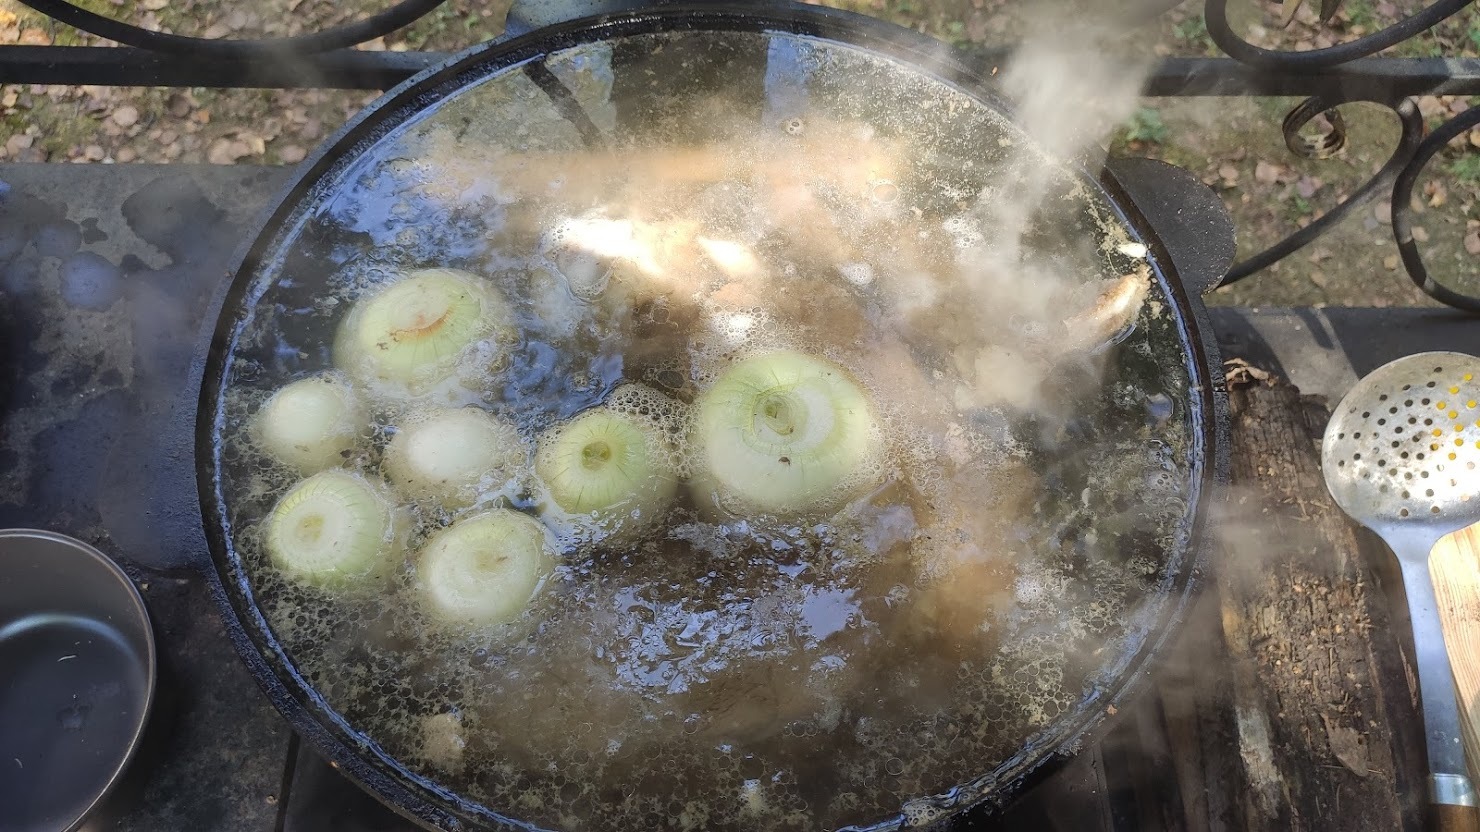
column 1233, row 143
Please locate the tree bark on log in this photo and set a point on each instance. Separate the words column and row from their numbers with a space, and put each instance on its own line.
column 1323, row 695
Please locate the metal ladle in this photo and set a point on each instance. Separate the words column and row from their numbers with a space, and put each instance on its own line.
column 1401, row 455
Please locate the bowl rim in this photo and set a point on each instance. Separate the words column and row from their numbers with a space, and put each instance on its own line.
column 135, row 600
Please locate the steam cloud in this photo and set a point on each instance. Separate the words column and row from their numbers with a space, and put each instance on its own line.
column 1069, row 91
column 1069, row 88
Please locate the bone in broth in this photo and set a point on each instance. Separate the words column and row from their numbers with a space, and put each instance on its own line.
column 732, row 472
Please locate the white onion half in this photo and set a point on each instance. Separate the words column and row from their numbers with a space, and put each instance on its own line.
column 311, row 424
column 413, row 334
column 485, row 569
column 453, row 457
column 784, row 433
column 607, row 470
column 335, row 529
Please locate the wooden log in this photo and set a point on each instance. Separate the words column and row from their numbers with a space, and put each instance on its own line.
column 1289, row 702
column 1201, row 730
column 1322, row 697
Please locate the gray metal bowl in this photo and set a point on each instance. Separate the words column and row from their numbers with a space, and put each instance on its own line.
column 77, row 668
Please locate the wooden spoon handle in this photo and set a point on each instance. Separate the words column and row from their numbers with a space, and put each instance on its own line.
column 1455, row 818
column 1454, row 565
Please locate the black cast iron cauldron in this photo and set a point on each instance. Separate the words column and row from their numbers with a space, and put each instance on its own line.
column 1180, row 222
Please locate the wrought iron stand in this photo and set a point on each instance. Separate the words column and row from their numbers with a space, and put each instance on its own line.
column 1327, row 78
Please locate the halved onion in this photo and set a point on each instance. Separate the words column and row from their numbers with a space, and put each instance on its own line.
column 784, row 433
column 485, row 569
column 311, row 424
column 608, row 468
column 333, row 529
column 450, row 456
column 413, row 332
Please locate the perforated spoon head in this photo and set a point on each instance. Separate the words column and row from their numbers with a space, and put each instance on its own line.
column 1401, row 454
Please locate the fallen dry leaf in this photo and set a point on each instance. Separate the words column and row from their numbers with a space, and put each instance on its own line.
column 1307, row 186
column 292, row 154
column 1437, row 193
column 1472, row 241
column 224, row 151
column 1319, row 278
column 1390, row 262
column 1266, row 172
column 1420, row 234
column 126, row 116
column 1238, row 372
column 1228, row 173
column 253, row 142
column 155, row 5
column 1383, row 211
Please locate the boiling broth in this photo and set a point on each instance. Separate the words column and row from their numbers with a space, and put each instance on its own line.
column 746, row 672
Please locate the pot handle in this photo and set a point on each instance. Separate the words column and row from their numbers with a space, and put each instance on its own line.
column 1187, row 215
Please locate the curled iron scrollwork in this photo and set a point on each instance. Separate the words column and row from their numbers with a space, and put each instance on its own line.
column 1216, row 18
column 1403, row 212
column 1331, row 77
column 1402, row 168
column 396, row 17
column 1409, row 139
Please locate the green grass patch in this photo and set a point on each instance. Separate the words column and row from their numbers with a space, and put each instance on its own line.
column 1466, row 168
column 1146, row 126
column 1193, row 33
column 1360, row 13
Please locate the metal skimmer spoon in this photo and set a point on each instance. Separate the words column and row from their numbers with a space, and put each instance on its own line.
column 1402, row 456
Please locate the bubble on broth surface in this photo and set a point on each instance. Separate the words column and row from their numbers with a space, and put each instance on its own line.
column 748, row 672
